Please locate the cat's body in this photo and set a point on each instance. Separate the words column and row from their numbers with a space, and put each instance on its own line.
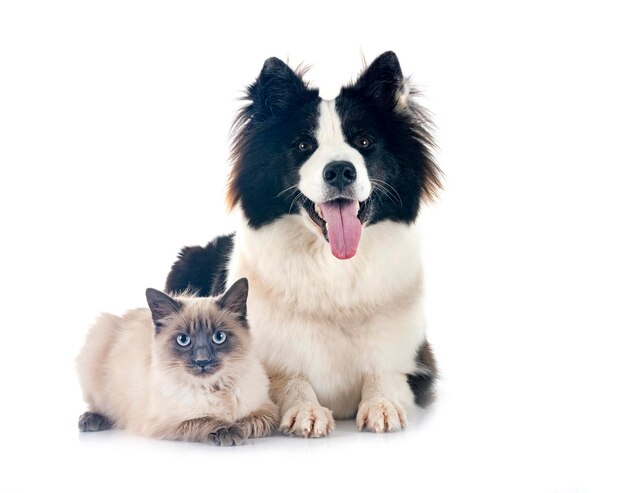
column 136, row 376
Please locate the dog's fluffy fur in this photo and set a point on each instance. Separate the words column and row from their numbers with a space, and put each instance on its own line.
column 333, row 257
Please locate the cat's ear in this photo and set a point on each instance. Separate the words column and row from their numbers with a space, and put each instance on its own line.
column 275, row 89
column 161, row 306
column 234, row 300
column 383, row 81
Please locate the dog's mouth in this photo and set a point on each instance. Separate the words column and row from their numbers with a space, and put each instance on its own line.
column 341, row 222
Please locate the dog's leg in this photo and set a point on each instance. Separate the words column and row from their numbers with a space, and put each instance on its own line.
column 302, row 414
column 381, row 406
column 422, row 382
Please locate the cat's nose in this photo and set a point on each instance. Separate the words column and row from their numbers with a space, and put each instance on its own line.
column 202, row 363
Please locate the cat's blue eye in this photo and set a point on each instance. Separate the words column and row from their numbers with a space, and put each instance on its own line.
column 219, row 337
column 183, row 340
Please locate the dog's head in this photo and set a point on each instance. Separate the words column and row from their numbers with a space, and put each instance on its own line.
column 341, row 164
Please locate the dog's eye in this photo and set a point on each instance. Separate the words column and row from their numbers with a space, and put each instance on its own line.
column 363, row 142
column 183, row 340
column 219, row 337
column 304, row 145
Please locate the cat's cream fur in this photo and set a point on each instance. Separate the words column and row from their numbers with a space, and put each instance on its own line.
column 129, row 377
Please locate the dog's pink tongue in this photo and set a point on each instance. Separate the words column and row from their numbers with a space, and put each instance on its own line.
column 344, row 227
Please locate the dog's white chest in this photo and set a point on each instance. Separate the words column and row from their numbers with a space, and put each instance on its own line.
column 329, row 320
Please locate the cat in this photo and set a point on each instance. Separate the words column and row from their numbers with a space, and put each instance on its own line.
column 181, row 370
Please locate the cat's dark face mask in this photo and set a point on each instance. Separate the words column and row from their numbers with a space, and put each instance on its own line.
column 200, row 335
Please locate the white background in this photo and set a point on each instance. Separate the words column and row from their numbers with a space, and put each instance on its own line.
column 114, row 120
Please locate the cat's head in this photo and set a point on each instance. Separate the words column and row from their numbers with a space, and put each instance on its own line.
column 200, row 336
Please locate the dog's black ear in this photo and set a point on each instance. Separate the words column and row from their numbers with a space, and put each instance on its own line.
column 383, row 80
column 161, row 306
column 275, row 90
column 234, row 300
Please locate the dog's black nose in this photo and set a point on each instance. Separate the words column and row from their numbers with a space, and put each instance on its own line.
column 202, row 363
column 339, row 174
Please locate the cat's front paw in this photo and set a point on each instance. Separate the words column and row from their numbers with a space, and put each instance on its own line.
column 262, row 422
column 227, row 436
column 380, row 415
column 307, row 420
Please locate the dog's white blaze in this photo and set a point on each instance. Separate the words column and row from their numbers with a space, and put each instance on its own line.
column 332, row 146
column 344, row 326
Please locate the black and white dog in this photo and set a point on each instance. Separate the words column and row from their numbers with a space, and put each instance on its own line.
column 329, row 192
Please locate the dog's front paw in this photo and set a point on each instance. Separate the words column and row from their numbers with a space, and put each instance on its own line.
column 307, row 420
column 380, row 415
column 228, row 435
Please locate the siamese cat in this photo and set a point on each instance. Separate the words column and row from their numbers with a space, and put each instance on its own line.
column 182, row 370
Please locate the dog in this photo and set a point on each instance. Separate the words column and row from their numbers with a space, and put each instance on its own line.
column 329, row 192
